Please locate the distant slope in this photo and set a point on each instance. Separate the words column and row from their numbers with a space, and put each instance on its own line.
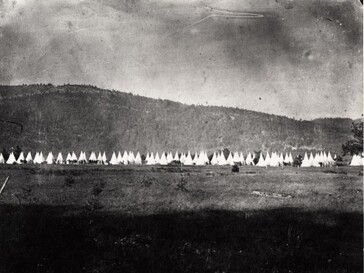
column 87, row 118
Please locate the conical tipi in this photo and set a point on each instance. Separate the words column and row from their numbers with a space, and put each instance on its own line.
column 163, row 160
column 261, row 162
column 188, row 160
column 214, row 159
column 92, row 159
column 29, row 158
column 305, row 161
column 59, row 159
column 50, row 158
column 151, row 160
column 21, row 159
column 138, row 159
column 11, row 159
column 113, row 160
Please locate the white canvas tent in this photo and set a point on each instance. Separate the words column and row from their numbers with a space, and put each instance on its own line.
column 182, row 159
column 267, row 159
column 188, row 160
column 41, row 158
column 74, row 158
column 281, row 159
column 330, row 159
column 99, row 159
column 305, row 162
column 286, row 159
column 104, row 159
column 241, row 159
column 68, row 158
column 36, row 158
column 195, row 159
column 125, row 158
column 2, row 161
column 119, row 158
column 59, row 159
column 314, row 160
column 202, row 159
column 325, row 162
column 169, row 157
column 92, row 158
column 274, row 160
column 131, row 157
column 11, row 159
column 151, row 160
column 317, row 160
column 113, row 160
column 206, row 158
column 261, row 161
column 249, row 159
column 163, row 159
column 21, row 159
column 221, row 160
column 176, row 157
column 50, row 158
column 230, row 160
column 290, row 158
column 138, row 159
column 214, row 159
column 356, row 161
column 82, row 158
column 29, row 158
column 157, row 158
column 236, row 158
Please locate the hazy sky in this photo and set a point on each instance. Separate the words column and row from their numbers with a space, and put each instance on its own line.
column 301, row 59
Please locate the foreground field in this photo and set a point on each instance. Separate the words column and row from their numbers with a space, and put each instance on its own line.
column 189, row 219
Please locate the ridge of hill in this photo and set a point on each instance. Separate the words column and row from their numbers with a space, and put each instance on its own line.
column 80, row 117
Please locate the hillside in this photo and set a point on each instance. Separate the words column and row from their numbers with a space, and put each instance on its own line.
column 74, row 117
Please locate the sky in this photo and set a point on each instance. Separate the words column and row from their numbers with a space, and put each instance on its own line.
column 297, row 58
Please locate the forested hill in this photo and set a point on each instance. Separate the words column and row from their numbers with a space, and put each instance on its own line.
column 73, row 117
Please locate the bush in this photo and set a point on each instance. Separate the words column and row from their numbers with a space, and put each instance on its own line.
column 235, row 169
column 181, row 185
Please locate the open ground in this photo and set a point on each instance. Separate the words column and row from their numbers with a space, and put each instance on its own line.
column 180, row 219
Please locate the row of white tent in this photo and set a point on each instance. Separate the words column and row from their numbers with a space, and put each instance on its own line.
column 273, row 160
column 151, row 159
column 318, row 160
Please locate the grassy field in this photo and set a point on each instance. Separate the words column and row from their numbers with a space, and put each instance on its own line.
column 172, row 219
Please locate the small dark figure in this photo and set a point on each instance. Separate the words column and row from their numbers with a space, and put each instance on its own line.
column 297, row 161
column 235, row 169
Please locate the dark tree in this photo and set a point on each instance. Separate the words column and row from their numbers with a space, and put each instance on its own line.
column 17, row 151
column 338, row 159
column 226, row 152
column 355, row 146
column 257, row 156
column 6, row 154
